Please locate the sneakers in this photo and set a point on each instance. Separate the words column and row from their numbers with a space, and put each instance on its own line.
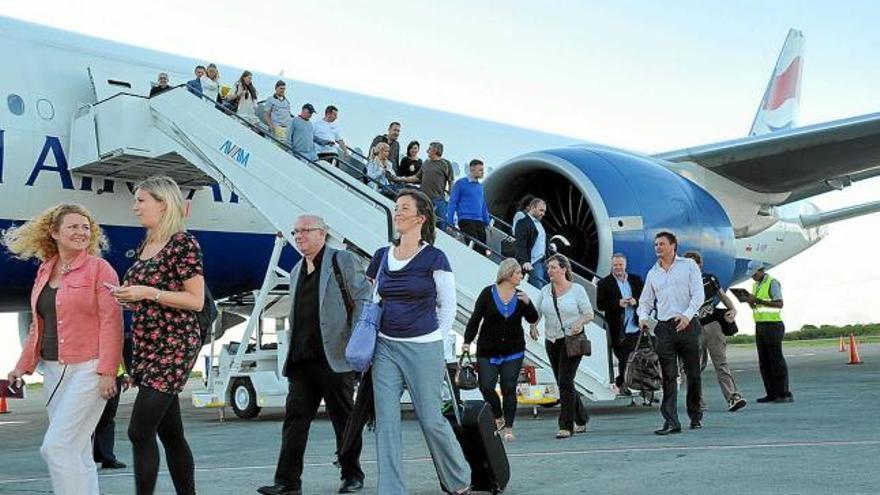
column 765, row 399
column 736, row 403
column 580, row 429
column 563, row 434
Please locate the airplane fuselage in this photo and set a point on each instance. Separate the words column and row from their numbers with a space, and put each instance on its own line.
column 49, row 75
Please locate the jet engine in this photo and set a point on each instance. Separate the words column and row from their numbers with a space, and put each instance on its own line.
column 606, row 201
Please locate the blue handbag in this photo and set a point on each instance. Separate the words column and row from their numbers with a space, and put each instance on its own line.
column 362, row 345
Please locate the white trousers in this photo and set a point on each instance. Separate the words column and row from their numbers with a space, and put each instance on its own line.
column 74, row 410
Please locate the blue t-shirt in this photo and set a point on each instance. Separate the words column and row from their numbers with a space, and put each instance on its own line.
column 409, row 296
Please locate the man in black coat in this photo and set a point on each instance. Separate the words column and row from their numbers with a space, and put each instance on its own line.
column 531, row 243
column 617, row 295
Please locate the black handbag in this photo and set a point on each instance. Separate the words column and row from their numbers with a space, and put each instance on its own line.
column 575, row 345
column 643, row 370
column 206, row 317
column 466, row 374
column 728, row 328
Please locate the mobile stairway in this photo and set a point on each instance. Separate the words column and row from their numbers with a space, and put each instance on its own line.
column 184, row 136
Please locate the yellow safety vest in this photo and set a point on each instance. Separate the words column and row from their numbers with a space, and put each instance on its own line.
column 761, row 291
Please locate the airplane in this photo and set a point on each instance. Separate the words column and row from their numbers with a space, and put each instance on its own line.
column 724, row 199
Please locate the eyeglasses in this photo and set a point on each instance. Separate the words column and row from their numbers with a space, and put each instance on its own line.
column 305, row 231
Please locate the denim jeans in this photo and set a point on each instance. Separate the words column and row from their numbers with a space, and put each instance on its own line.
column 538, row 275
column 421, row 367
column 440, row 208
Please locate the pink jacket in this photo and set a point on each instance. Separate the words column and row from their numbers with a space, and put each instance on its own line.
column 89, row 318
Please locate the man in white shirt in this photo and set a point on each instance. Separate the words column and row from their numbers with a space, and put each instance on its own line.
column 674, row 289
column 531, row 243
column 328, row 137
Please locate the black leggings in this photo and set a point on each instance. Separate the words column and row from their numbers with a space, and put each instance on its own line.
column 489, row 374
column 154, row 413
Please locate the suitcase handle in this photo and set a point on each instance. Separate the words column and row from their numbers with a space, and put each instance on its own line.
column 455, row 408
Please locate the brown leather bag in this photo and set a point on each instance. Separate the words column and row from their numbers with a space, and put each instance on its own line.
column 575, row 345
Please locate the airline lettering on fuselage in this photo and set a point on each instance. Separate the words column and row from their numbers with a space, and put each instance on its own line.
column 236, row 153
column 52, row 144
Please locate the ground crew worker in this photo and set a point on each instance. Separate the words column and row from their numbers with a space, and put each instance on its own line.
column 766, row 303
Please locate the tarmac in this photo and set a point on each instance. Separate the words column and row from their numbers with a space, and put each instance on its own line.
column 826, row 442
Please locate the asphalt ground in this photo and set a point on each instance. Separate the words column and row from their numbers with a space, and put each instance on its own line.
column 826, row 442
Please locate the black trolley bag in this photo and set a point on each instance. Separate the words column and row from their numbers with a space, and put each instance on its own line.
column 643, row 367
column 474, row 427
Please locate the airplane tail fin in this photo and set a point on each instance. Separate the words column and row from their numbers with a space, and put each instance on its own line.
column 781, row 102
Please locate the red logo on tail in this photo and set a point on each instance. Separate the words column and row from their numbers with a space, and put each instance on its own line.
column 785, row 86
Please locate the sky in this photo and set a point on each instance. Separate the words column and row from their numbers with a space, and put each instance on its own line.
column 642, row 75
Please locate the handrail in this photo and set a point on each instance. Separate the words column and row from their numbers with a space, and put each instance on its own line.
column 315, row 165
column 121, row 93
column 495, row 220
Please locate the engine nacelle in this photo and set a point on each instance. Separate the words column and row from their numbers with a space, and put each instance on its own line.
column 606, row 201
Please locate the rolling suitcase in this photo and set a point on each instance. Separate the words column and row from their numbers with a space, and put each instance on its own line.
column 483, row 448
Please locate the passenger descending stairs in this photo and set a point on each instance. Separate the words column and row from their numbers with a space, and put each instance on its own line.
column 130, row 137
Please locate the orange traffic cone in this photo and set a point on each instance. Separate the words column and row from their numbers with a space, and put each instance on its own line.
column 3, row 409
column 853, row 351
column 842, row 346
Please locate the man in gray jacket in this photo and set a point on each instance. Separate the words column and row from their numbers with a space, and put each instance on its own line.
column 328, row 291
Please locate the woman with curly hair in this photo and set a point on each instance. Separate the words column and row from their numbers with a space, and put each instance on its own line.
column 165, row 289
column 75, row 337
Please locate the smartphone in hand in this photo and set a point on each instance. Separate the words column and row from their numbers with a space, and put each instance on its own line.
column 12, row 390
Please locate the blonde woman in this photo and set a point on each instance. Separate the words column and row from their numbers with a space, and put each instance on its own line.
column 165, row 289
column 566, row 310
column 498, row 318
column 76, row 337
column 380, row 169
column 211, row 83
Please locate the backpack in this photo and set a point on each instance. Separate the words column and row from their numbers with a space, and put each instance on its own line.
column 643, row 368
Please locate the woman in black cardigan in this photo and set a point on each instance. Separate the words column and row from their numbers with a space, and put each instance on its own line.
column 497, row 317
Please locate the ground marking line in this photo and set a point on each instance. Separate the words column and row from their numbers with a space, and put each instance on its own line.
column 831, row 443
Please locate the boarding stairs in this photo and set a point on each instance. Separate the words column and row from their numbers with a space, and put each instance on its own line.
column 184, row 136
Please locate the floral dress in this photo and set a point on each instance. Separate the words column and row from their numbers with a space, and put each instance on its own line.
column 166, row 340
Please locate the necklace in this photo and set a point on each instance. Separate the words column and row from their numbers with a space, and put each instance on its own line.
column 65, row 267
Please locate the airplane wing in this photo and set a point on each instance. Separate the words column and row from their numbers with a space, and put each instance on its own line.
column 803, row 162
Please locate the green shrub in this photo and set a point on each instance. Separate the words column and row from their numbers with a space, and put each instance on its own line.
column 811, row 332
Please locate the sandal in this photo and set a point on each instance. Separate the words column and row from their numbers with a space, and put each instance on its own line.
column 563, row 434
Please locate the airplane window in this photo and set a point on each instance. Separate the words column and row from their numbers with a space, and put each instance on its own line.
column 45, row 109
column 15, row 103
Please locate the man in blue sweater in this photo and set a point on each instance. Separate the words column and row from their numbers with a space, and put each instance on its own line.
column 468, row 203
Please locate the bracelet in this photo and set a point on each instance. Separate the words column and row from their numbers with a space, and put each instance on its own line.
column 156, row 297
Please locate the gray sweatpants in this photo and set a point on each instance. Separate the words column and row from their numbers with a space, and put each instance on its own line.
column 421, row 367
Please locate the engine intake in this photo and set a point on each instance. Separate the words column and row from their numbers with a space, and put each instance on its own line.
column 606, row 201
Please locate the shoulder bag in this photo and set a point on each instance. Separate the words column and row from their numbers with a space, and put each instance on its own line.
column 575, row 345
column 362, row 345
